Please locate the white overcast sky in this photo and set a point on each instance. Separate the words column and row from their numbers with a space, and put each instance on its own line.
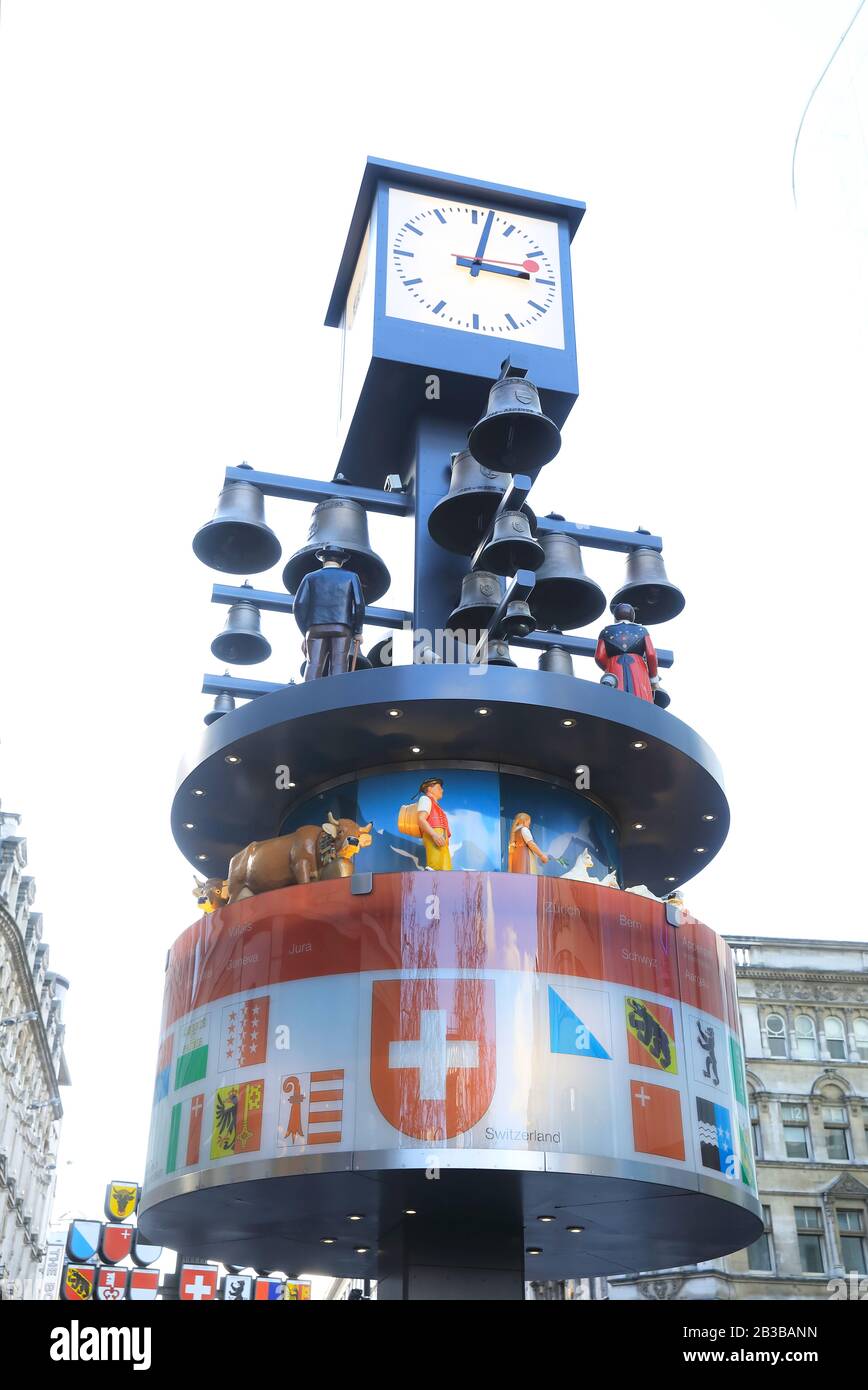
column 176, row 179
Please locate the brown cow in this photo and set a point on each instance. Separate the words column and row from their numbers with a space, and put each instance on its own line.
column 297, row 858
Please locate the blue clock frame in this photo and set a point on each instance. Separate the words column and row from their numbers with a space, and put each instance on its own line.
column 403, row 354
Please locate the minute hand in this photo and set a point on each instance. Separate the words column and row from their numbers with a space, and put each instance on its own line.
column 475, row 266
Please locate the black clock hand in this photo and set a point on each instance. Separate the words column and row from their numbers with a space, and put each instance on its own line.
column 483, row 242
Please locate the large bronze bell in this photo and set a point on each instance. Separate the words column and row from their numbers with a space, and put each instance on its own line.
column 224, row 703
column 381, row 653
column 236, row 540
column 648, row 589
column 514, row 435
column 512, row 546
column 556, row 660
column 563, row 596
column 481, row 592
column 340, row 522
column 461, row 518
column 241, row 643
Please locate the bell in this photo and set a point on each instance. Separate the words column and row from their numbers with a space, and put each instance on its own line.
column 647, row 589
column 557, row 660
column 241, row 643
column 519, row 620
column 236, row 540
column 497, row 652
column 563, row 596
column 481, row 592
column 461, row 518
column 662, row 698
column 514, row 434
column 342, row 523
column 223, row 704
column 512, row 546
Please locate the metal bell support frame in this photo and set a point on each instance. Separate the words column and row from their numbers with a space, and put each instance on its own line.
column 648, row 589
column 512, row 546
column 241, row 642
column 224, row 703
column 481, row 593
column 237, row 540
column 461, row 518
column 340, row 522
column 557, row 661
column 514, row 435
column 563, row 596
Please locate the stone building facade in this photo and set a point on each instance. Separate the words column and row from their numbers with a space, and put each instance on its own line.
column 32, row 1069
column 804, row 1014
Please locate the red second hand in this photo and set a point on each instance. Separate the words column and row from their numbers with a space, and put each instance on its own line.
column 525, row 265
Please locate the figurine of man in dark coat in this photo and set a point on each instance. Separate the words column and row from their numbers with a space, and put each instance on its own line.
column 329, row 608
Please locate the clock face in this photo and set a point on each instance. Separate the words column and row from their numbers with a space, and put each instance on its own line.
column 473, row 268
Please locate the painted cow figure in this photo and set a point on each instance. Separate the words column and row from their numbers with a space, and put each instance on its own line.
column 210, row 893
column 301, row 857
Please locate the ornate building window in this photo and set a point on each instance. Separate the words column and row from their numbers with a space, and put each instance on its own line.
column 760, row 1255
column 860, row 1033
column 835, row 1042
column 795, row 1118
column 835, row 1125
column 776, row 1035
column 851, row 1233
column 806, row 1038
column 809, row 1228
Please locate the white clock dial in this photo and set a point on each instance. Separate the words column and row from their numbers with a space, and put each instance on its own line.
column 474, row 268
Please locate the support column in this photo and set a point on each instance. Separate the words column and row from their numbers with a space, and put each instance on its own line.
column 438, row 1261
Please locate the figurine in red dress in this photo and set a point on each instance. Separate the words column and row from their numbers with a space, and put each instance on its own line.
column 625, row 651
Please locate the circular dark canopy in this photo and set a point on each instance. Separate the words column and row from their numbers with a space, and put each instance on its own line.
column 646, row 767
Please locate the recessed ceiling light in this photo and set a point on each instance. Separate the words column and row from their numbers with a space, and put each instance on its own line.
column 640, row 743
column 328, row 1240
column 355, row 1217
column 189, row 825
column 533, row 1250
column 290, row 784
column 545, row 1218
column 394, row 713
column 198, row 791
column 671, row 878
column 568, row 723
column 638, row 825
column 700, row 849
column 575, row 1230
column 483, row 709
column 709, row 817
column 232, row 758
column 201, row 856
column 415, row 748
column 409, row 1211
column 362, row 1249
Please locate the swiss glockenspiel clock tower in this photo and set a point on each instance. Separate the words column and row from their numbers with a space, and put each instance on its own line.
column 444, row 1021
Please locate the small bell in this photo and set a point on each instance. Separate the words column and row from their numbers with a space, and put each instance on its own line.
column 497, row 652
column 662, row 698
column 481, row 593
column 241, row 643
column 223, row 704
column 557, row 661
column 380, row 654
column 236, row 540
column 512, row 546
column 648, row 589
column 514, row 435
column 343, row 524
column 518, row 620
column 563, row 596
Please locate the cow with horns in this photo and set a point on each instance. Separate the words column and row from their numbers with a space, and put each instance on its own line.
column 311, row 853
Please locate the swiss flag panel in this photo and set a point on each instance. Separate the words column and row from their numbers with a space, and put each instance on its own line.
column 433, row 1065
column 198, row 1283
